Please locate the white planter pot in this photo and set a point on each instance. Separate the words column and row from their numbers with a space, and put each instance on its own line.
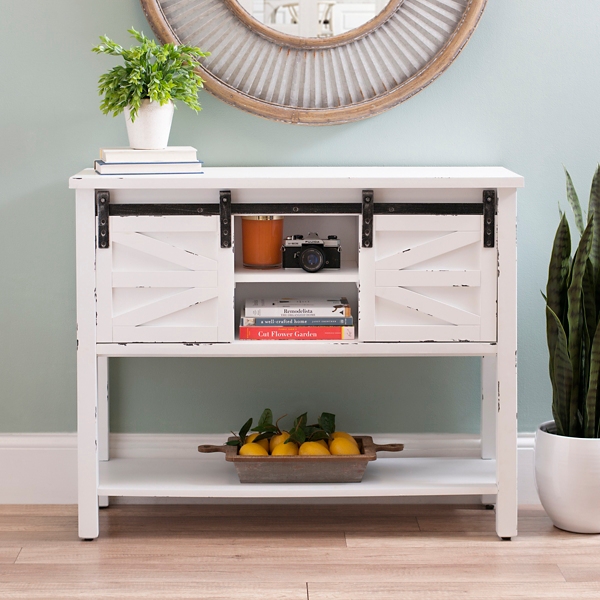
column 567, row 475
column 152, row 125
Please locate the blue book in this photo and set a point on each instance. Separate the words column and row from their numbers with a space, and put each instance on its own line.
column 296, row 321
column 148, row 168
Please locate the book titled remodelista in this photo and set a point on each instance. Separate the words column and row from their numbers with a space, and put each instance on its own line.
column 297, row 307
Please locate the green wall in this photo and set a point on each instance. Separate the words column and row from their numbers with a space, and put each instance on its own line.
column 523, row 94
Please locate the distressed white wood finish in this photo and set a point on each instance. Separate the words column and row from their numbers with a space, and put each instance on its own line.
column 506, row 420
column 448, row 254
column 87, row 371
column 103, row 418
column 433, row 280
column 195, row 477
column 161, row 280
column 320, row 178
column 489, row 405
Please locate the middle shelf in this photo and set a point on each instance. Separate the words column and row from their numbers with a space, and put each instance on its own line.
column 347, row 273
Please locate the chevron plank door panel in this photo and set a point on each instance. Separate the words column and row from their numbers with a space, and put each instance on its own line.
column 163, row 279
column 431, row 280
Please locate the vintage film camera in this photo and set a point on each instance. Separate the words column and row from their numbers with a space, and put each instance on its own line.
column 311, row 254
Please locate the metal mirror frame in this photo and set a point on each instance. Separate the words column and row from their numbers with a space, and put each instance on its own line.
column 319, row 81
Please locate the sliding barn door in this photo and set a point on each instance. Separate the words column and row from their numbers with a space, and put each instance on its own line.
column 164, row 279
column 428, row 278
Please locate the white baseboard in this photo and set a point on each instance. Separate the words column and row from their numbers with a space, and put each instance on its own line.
column 41, row 468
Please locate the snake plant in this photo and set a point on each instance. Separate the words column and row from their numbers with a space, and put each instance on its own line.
column 572, row 316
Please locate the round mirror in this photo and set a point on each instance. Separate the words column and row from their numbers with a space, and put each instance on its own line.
column 321, row 19
column 318, row 62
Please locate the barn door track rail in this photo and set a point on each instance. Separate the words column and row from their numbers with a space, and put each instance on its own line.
column 226, row 209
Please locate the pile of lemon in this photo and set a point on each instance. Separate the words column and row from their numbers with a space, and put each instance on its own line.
column 339, row 443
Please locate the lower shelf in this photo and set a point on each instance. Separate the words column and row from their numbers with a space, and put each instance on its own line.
column 212, row 477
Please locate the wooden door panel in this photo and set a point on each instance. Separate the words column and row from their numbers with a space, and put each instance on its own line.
column 160, row 281
column 430, row 279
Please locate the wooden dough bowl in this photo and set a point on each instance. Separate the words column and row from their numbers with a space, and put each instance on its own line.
column 304, row 469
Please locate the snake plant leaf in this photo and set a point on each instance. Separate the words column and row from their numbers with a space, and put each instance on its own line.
column 574, row 202
column 558, row 276
column 575, row 319
column 594, row 213
column 589, row 301
column 590, row 416
column 561, row 378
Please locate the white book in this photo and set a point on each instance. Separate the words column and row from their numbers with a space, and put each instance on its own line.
column 297, row 307
column 130, row 155
column 161, row 168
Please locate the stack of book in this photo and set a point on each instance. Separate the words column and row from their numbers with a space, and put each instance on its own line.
column 128, row 161
column 297, row 319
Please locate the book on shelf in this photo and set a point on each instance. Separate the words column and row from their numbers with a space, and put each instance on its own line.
column 296, row 321
column 297, row 307
column 154, row 168
column 131, row 155
column 296, row 333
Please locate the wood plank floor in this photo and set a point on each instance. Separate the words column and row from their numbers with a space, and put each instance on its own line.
column 292, row 552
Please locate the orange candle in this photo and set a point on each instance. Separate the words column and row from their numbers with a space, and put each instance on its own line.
column 262, row 238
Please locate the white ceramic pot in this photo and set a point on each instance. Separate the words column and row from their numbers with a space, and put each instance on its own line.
column 152, row 125
column 567, row 475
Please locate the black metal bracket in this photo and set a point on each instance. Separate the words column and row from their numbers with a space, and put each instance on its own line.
column 367, row 218
column 490, row 201
column 102, row 204
column 225, row 216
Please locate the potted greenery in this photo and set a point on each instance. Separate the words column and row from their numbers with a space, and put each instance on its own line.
column 144, row 88
column 567, row 449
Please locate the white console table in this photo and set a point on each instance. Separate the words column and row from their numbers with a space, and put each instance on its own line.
column 429, row 266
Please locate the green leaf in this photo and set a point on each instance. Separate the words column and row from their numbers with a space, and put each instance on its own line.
column 297, row 435
column 327, row 422
column 267, row 435
column 558, row 269
column 594, row 213
column 245, row 429
column 575, row 321
column 561, row 377
column 233, row 443
column 590, row 414
column 320, row 434
column 266, row 418
column 574, row 202
column 300, row 421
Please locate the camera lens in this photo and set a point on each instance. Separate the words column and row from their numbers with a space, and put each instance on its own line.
column 312, row 260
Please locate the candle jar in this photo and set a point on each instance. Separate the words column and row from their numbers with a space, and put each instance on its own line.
column 262, row 237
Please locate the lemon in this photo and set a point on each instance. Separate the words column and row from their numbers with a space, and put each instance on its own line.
column 342, row 434
column 323, row 443
column 264, row 443
column 313, row 449
column 289, row 449
column 252, row 449
column 278, row 439
column 341, row 446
